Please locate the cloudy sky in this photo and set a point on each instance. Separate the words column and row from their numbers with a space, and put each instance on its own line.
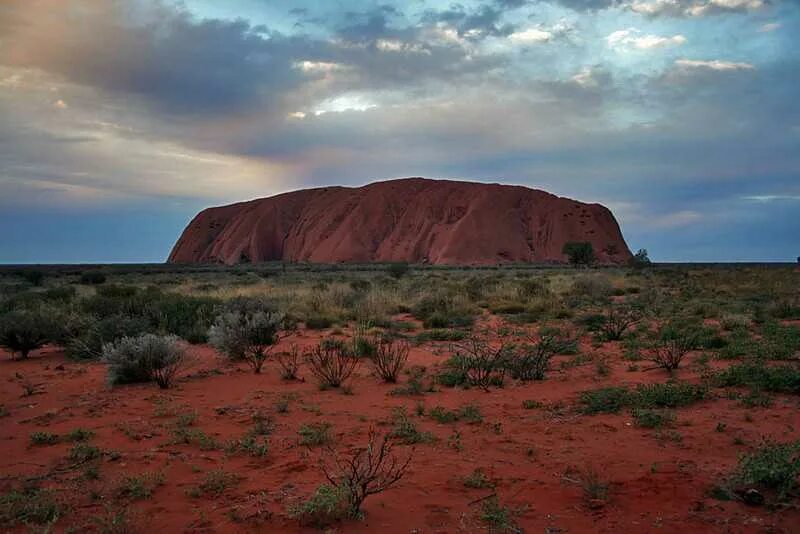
column 120, row 119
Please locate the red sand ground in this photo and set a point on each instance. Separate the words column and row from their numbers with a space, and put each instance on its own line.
column 656, row 485
column 414, row 220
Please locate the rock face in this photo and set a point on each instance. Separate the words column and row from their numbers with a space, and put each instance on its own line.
column 412, row 220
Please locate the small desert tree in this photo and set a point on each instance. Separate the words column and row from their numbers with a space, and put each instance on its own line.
column 146, row 358
column 24, row 331
column 579, row 253
column 247, row 335
column 640, row 259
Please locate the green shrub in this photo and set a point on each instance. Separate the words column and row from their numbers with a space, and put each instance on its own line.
column 326, row 506
column 247, row 335
column 757, row 375
column 29, row 507
column 43, row 438
column 773, row 466
column 647, row 418
column 605, row 400
column 24, row 331
column 143, row 359
column 579, row 253
column 86, row 335
column 315, row 434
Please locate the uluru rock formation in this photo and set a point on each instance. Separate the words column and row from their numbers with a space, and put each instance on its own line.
column 413, row 220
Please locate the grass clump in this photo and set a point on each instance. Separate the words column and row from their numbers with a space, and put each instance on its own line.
column 43, row 438
column 316, row 434
column 30, row 506
column 138, row 487
column 667, row 395
column 648, row 418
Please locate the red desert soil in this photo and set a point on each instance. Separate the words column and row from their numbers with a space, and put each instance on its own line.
column 532, row 454
column 414, row 220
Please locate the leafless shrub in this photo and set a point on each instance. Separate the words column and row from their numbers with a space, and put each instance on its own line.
column 617, row 321
column 368, row 471
column 389, row 358
column 483, row 364
column 331, row 363
column 532, row 360
column 669, row 353
column 289, row 362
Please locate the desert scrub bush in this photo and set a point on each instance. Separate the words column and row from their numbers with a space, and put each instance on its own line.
column 669, row 353
column 667, row 395
column 80, row 434
column 478, row 480
column 215, row 483
column 247, row 335
column 779, row 342
column 471, row 413
column 315, row 434
column 531, row 360
column 605, row 400
column 289, row 362
column 444, row 309
column 648, row 418
column 147, row 358
column 141, row 486
column 757, row 375
column 331, row 363
column 366, row 471
column 389, row 358
column 30, row 506
column 43, row 438
column 406, row 431
column 328, row 505
column 23, row 331
column 476, row 363
column 773, row 468
column 616, row 322
column 591, row 287
column 439, row 334
column 500, row 518
column 87, row 334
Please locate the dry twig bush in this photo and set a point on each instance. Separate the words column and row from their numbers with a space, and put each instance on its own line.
column 389, row 358
column 331, row 363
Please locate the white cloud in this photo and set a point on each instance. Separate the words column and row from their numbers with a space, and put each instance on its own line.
column 531, row 35
column 704, row 8
column 770, row 198
column 715, row 64
column 318, row 66
column 692, row 8
column 633, row 38
column 395, row 45
column 769, row 27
